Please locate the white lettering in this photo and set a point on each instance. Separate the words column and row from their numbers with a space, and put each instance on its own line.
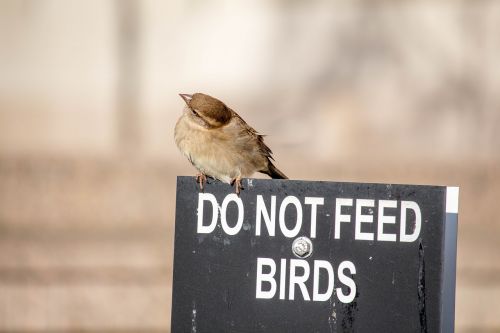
column 298, row 223
column 263, row 213
column 227, row 229
column 298, row 279
column 348, row 281
column 314, row 202
column 322, row 264
column 360, row 218
column 300, row 275
column 384, row 219
column 206, row 229
column 282, row 278
column 268, row 277
column 339, row 217
column 406, row 205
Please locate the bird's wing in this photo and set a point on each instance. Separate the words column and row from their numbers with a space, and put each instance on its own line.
column 259, row 138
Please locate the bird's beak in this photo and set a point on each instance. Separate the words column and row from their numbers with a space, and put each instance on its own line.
column 186, row 97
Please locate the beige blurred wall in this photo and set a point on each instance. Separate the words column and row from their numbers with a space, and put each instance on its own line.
column 416, row 79
column 58, row 76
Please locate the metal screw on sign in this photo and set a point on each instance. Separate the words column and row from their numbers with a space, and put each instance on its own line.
column 302, row 247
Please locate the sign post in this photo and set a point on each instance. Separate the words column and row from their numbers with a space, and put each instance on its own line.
column 304, row 256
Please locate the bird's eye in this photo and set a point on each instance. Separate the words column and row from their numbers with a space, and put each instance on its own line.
column 194, row 112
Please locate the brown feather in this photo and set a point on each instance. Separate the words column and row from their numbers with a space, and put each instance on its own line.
column 211, row 109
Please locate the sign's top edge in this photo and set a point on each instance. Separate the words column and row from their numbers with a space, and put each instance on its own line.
column 332, row 182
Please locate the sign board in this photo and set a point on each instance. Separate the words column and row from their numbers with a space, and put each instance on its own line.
column 304, row 256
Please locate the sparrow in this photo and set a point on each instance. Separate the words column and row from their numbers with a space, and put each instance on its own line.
column 220, row 144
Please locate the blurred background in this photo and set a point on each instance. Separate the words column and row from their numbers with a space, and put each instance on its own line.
column 364, row 91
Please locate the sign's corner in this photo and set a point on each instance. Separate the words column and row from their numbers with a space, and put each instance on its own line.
column 452, row 193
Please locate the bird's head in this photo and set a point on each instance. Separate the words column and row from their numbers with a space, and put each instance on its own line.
column 206, row 110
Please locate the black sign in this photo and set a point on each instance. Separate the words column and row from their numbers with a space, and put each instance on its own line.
column 302, row 256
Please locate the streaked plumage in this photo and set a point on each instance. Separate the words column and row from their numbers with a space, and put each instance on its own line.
column 219, row 143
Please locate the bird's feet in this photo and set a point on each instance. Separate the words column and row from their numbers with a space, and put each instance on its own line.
column 237, row 185
column 201, row 179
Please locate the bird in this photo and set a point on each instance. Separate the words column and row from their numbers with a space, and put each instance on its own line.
column 220, row 144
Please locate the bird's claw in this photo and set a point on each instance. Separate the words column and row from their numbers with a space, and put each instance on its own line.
column 201, row 179
column 237, row 185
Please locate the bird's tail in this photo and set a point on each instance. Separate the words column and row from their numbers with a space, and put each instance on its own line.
column 274, row 173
